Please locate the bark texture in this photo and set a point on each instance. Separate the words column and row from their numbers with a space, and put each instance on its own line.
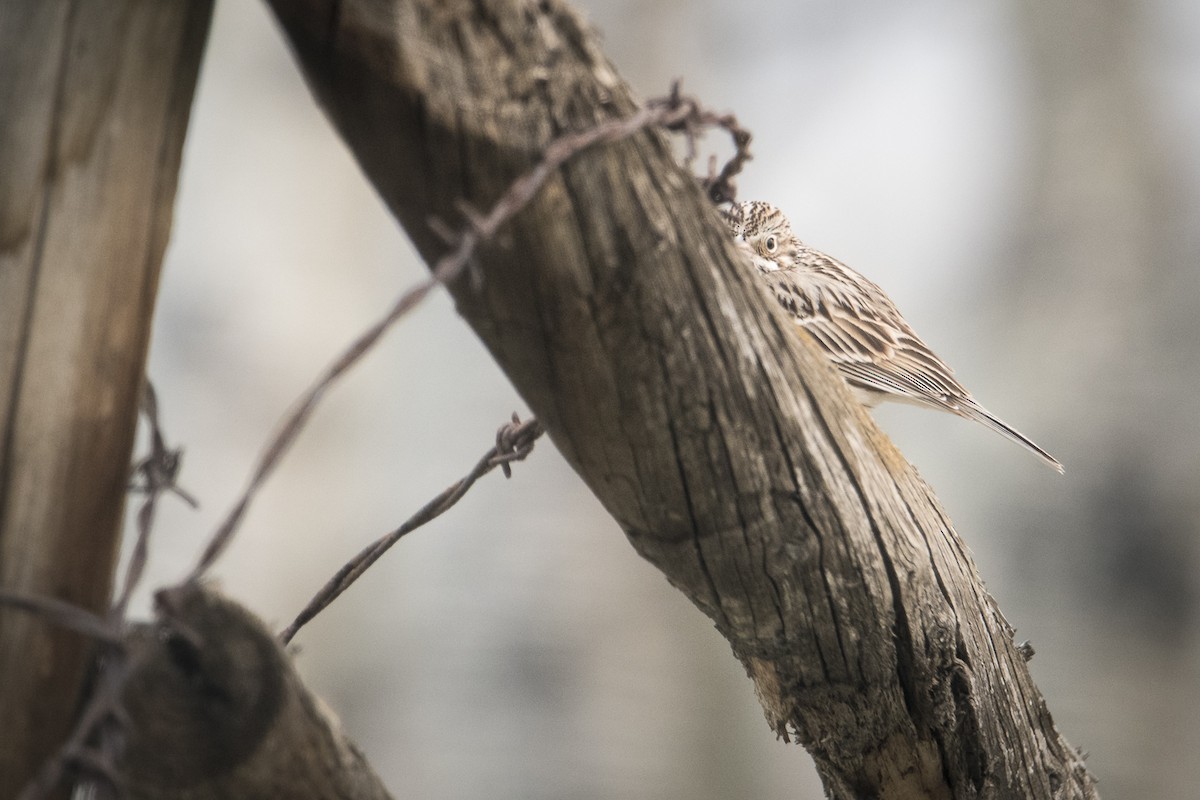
column 718, row 438
column 94, row 101
column 217, row 710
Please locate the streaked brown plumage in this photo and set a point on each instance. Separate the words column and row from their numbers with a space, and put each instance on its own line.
column 876, row 350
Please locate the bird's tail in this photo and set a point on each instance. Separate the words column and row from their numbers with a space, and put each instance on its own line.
column 981, row 415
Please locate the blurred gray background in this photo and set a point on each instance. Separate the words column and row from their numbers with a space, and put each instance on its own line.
column 1024, row 179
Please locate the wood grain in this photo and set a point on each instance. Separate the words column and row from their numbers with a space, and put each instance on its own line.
column 94, row 101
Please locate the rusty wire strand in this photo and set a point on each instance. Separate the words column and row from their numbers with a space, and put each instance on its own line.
column 514, row 441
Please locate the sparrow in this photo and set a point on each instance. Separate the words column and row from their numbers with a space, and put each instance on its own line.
column 856, row 323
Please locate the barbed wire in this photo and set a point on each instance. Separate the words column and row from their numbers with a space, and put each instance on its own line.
column 93, row 747
column 675, row 112
column 514, row 441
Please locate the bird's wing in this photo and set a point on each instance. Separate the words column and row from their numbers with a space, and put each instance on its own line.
column 864, row 334
column 872, row 345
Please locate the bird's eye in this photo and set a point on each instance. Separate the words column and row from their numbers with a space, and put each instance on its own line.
column 772, row 244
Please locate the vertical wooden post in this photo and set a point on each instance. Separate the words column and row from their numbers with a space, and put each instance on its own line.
column 94, row 103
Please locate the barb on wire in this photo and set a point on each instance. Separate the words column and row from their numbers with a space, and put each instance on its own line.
column 514, row 441
column 157, row 472
column 720, row 186
column 676, row 112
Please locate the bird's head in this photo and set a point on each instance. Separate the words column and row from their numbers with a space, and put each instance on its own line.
column 765, row 233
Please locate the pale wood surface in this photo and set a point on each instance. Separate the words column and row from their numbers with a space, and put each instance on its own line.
column 94, row 101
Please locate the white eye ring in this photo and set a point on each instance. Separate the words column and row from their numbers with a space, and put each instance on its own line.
column 771, row 243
